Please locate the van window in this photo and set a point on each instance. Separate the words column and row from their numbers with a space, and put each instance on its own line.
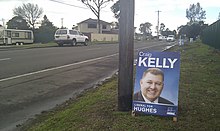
column 72, row 32
column 9, row 34
column 29, row 35
column 1, row 34
column 15, row 34
column 61, row 32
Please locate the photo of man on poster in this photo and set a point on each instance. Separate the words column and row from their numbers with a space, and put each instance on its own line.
column 151, row 86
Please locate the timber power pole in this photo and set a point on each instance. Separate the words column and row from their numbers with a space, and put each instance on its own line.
column 61, row 23
column 126, row 55
column 3, row 22
column 158, row 22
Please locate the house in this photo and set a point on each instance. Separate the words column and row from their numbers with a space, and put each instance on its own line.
column 91, row 26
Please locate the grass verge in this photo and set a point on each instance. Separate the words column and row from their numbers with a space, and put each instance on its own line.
column 35, row 45
column 96, row 109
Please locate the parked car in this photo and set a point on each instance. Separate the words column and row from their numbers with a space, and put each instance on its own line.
column 69, row 36
column 170, row 38
column 161, row 37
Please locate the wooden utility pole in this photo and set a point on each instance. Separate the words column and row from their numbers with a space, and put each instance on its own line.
column 3, row 22
column 158, row 22
column 126, row 55
column 61, row 23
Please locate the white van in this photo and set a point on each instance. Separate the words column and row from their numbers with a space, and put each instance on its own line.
column 14, row 36
column 69, row 36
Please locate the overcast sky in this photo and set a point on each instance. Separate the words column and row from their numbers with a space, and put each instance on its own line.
column 173, row 12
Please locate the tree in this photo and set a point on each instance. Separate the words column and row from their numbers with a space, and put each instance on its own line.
column 46, row 22
column 195, row 13
column 46, row 31
column 29, row 12
column 168, row 32
column 114, row 25
column 192, row 31
column 116, row 9
column 183, row 29
column 96, row 6
column 162, row 27
column 17, row 22
column 145, row 29
column 219, row 16
column 175, row 33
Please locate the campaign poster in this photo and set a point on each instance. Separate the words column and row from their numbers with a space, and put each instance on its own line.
column 156, row 83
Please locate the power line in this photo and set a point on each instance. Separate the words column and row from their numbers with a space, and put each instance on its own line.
column 68, row 4
column 72, row 5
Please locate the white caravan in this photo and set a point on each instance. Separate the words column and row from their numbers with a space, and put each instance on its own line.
column 14, row 36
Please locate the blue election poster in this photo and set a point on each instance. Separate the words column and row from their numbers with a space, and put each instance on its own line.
column 156, row 83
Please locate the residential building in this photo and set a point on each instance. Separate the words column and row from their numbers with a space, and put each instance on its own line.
column 91, row 26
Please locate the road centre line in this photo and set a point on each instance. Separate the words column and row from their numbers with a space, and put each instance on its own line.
column 3, row 59
column 55, row 68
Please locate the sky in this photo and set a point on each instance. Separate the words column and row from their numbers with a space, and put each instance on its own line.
column 173, row 12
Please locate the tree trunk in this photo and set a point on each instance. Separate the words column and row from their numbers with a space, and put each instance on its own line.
column 99, row 27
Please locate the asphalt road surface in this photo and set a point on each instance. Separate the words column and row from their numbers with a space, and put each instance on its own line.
column 38, row 79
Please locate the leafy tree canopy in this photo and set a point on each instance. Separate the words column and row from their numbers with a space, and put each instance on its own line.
column 192, row 31
column 195, row 13
column 30, row 12
column 46, row 31
column 46, row 22
column 162, row 27
column 145, row 28
column 116, row 9
column 114, row 25
column 219, row 16
column 168, row 32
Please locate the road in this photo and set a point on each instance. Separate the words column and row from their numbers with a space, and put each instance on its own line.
column 36, row 80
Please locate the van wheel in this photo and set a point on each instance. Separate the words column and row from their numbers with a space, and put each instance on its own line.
column 73, row 42
column 86, row 42
column 60, row 44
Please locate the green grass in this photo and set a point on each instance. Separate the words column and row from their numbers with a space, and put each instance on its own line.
column 96, row 109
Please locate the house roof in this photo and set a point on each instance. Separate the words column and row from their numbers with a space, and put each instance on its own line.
column 90, row 20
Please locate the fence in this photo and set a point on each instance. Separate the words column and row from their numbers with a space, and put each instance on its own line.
column 104, row 37
column 211, row 35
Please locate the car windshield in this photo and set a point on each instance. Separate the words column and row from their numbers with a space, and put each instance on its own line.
column 61, row 32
